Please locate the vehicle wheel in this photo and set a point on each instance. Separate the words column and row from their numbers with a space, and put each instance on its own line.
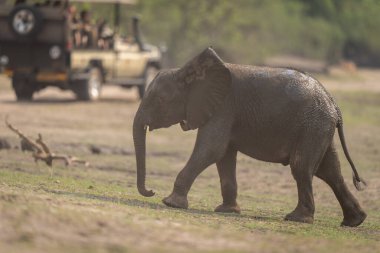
column 149, row 74
column 25, row 21
column 23, row 87
column 89, row 89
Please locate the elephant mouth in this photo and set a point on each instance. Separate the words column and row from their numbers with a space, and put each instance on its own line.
column 184, row 125
column 149, row 128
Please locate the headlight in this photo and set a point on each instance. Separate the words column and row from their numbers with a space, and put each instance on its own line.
column 55, row 52
column 4, row 60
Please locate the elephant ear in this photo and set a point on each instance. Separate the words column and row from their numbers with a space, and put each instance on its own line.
column 207, row 81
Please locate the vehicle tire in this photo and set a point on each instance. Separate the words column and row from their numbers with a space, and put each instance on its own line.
column 149, row 74
column 25, row 21
column 89, row 89
column 23, row 87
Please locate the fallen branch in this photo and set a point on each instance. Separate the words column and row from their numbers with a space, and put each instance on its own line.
column 41, row 152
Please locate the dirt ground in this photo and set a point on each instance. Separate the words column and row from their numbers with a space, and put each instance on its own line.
column 98, row 209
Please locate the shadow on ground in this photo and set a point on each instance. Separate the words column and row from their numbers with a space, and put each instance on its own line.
column 156, row 206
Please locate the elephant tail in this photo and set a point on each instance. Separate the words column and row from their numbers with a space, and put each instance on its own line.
column 359, row 183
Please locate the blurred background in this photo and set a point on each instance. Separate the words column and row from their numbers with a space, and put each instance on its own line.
column 254, row 31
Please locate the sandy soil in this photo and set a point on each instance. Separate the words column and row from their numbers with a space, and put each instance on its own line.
column 360, row 80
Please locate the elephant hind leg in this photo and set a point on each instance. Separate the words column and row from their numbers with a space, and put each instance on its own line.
column 304, row 161
column 329, row 171
column 304, row 211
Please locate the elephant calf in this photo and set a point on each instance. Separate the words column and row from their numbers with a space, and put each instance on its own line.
column 271, row 114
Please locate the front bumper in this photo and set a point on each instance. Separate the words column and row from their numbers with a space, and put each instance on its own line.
column 52, row 77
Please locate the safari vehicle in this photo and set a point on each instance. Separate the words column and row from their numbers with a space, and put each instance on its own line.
column 39, row 47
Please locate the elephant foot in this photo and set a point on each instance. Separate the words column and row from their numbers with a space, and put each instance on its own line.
column 176, row 201
column 300, row 217
column 227, row 208
column 354, row 220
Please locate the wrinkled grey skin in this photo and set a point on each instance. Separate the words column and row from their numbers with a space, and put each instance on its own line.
column 270, row 114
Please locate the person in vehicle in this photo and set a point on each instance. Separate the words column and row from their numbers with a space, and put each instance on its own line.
column 86, row 29
column 57, row 3
column 75, row 25
column 18, row 2
column 105, row 34
column 47, row 3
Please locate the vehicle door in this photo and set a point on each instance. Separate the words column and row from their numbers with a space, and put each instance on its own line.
column 130, row 60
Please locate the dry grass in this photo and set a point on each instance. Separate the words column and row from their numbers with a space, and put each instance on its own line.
column 97, row 209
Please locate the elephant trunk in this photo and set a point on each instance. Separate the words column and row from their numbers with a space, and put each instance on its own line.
column 139, row 139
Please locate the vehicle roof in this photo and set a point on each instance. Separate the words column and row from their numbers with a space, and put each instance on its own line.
column 106, row 1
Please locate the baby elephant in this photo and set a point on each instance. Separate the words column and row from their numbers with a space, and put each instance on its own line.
column 276, row 115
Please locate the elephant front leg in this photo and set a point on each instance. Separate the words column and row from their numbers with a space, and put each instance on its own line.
column 210, row 146
column 186, row 178
column 201, row 158
column 227, row 173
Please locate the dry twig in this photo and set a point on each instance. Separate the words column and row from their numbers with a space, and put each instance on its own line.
column 41, row 151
